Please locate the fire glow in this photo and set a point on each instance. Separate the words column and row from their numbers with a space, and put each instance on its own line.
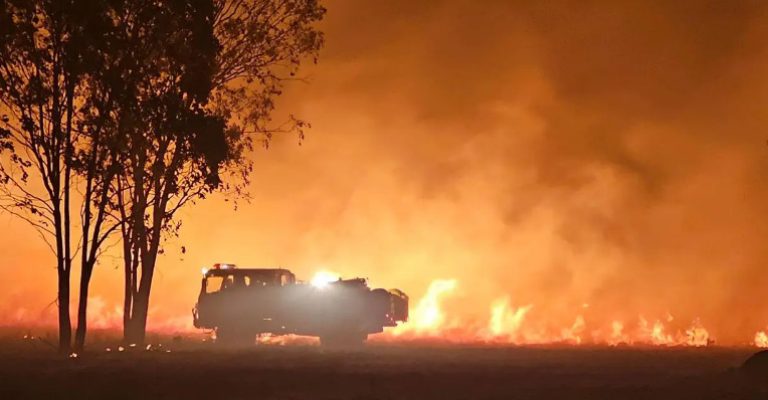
column 510, row 324
column 323, row 278
column 503, row 323
column 761, row 339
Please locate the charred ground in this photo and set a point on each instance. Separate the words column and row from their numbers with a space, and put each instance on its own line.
column 196, row 370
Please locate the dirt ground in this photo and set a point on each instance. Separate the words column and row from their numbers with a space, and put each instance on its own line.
column 31, row 370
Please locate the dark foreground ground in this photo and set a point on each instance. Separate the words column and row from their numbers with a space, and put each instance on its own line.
column 200, row 371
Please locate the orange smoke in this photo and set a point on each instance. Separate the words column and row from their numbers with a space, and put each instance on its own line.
column 538, row 161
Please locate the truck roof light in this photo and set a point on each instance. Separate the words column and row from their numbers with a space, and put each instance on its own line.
column 323, row 278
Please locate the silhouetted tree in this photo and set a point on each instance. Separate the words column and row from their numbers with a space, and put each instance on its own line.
column 171, row 63
column 51, row 54
column 202, row 110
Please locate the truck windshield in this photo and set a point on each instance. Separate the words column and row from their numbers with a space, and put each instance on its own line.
column 213, row 284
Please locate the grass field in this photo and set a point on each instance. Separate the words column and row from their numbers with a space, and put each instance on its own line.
column 196, row 370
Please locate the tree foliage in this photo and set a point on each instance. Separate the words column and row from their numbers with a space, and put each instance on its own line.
column 51, row 53
column 202, row 110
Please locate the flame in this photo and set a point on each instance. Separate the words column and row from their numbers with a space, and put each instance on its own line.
column 761, row 339
column 286, row 340
column 654, row 334
column 505, row 322
column 428, row 317
column 696, row 335
column 574, row 333
column 617, row 334
column 514, row 325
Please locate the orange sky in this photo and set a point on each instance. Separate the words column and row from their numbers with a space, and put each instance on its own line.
column 561, row 153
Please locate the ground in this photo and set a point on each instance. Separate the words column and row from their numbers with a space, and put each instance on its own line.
column 31, row 370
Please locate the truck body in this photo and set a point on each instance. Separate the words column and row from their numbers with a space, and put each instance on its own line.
column 243, row 303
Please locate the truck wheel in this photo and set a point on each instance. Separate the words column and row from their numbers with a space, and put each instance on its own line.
column 229, row 336
column 343, row 339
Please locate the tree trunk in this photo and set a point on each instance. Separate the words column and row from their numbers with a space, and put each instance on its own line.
column 127, row 302
column 82, row 308
column 137, row 329
column 63, row 269
column 65, row 325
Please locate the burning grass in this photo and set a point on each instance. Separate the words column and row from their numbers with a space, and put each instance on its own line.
column 433, row 321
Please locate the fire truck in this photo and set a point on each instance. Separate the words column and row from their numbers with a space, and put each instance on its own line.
column 242, row 303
